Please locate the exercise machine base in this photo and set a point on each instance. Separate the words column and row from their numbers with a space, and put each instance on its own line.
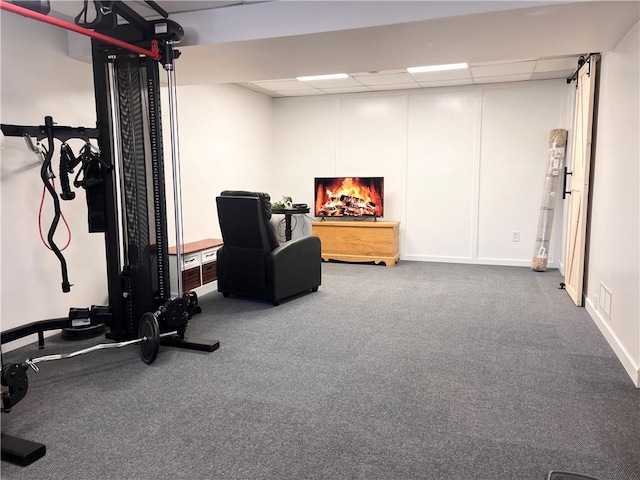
column 20, row 451
column 198, row 344
column 82, row 333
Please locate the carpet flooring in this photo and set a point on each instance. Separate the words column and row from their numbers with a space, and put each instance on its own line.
column 422, row 371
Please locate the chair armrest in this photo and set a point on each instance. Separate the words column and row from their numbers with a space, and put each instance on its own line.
column 294, row 267
column 305, row 247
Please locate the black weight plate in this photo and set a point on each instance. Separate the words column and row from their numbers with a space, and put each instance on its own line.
column 175, row 315
column 149, row 328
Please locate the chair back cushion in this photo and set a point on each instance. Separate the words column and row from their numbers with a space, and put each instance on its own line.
column 244, row 220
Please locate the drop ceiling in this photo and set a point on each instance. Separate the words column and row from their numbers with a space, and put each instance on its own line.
column 372, row 81
column 263, row 46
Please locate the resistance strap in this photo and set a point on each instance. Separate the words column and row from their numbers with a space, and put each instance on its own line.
column 46, row 176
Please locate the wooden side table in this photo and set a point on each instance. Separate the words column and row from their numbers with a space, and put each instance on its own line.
column 287, row 212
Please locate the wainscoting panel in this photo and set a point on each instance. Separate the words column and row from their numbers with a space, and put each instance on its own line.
column 516, row 122
column 442, row 163
column 372, row 143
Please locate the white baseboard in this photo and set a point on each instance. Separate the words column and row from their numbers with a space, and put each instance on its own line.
column 208, row 288
column 202, row 290
column 472, row 261
column 633, row 370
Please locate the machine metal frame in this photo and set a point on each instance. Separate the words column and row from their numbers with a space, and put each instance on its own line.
column 131, row 209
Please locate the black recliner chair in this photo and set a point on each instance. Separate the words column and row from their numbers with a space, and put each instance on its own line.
column 252, row 263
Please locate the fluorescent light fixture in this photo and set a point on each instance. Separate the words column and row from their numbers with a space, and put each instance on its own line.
column 331, row 76
column 438, row 68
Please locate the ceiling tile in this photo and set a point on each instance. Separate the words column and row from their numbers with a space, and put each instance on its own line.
column 397, row 86
column 255, row 88
column 549, row 75
column 503, row 78
column 337, row 83
column 399, row 79
column 385, row 79
column 447, row 83
column 555, row 64
column 378, row 72
column 444, row 75
column 354, row 89
column 300, row 93
column 498, row 69
column 281, row 85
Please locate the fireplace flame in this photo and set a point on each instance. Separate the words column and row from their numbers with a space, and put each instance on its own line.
column 350, row 198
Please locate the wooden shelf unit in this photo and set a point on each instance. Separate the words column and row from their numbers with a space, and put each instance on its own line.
column 198, row 267
column 359, row 241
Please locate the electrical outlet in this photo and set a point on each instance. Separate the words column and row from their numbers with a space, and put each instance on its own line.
column 515, row 236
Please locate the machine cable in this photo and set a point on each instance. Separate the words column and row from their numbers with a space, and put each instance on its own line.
column 168, row 60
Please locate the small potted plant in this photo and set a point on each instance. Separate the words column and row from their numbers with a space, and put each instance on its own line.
column 283, row 204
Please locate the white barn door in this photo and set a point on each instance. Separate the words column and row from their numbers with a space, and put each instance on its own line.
column 579, row 168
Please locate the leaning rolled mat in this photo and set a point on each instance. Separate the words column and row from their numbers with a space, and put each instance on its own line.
column 557, row 149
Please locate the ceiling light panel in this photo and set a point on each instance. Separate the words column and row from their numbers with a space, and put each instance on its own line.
column 337, row 83
column 439, row 76
column 437, row 68
column 329, row 76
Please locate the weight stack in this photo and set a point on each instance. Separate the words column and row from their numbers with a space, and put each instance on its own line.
column 557, row 149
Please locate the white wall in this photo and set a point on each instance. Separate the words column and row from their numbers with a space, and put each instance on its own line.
column 225, row 144
column 304, row 147
column 39, row 79
column 463, row 167
column 614, row 242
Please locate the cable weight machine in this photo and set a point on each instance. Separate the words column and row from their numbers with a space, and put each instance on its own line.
column 127, row 202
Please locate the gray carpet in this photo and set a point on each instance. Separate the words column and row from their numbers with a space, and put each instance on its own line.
column 422, row 371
